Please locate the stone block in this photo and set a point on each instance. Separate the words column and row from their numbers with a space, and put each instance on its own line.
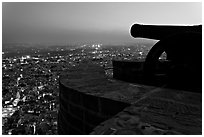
column 93, row 118
column 111, row 107
column 76, row 111
column 75, row 96
column 91, row 102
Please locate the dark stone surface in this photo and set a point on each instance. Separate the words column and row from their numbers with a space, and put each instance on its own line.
column 127, row 108
column 162, row 111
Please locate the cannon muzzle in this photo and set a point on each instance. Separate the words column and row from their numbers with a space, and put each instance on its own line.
column 161, row 31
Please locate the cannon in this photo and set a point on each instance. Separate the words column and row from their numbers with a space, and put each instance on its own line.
column 160, row 32
column 183, row 48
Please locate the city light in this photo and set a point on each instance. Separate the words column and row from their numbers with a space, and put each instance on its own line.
column 30, row 86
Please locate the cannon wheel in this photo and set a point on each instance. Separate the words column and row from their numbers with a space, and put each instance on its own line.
column 183, row 64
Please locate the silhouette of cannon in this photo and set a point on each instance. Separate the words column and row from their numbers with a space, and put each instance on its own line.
column 183, row 48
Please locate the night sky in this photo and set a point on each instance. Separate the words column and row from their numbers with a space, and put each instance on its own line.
column 89, row 22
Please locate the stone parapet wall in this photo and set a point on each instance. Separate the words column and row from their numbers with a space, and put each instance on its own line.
column 79, row 112
column 131, row 71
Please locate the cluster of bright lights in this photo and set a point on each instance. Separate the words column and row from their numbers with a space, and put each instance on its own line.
column 96, row 46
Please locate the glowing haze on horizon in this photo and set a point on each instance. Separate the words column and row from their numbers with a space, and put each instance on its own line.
column 89, row 22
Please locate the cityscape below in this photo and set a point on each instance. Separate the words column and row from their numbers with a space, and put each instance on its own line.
column 30, row 74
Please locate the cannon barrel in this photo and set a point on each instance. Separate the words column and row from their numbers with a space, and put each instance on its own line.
column 161, row 31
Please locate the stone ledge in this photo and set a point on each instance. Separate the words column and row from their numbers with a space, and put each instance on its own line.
column 162, row 112
column 152, row 110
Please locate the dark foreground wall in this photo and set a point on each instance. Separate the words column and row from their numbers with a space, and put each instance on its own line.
column 130, row 71
column 79, row 113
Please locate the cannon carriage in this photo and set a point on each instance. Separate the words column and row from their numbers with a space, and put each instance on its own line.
column 182, row 67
